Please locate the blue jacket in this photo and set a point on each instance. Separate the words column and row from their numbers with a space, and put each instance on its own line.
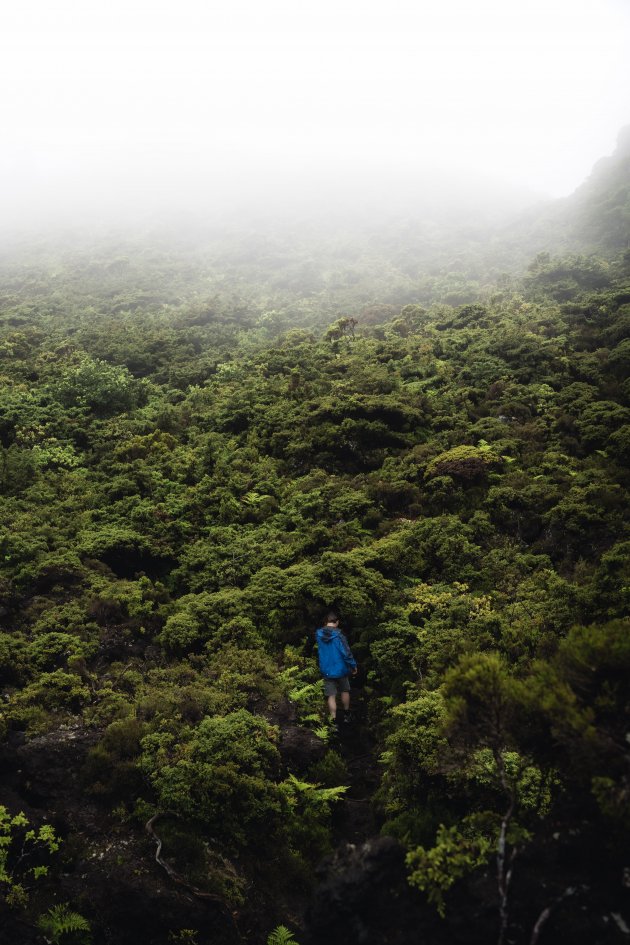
column 335, row 656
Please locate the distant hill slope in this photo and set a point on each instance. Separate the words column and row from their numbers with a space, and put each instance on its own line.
column 594, row 219
column 600, row 208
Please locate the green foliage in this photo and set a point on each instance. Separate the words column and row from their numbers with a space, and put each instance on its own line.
column 18, row 469
column 308, row 824
column 330, row 771
column 418, row 767
column 458, row 850
column 12, row 656
column 55, row 690
column 483, row 700
column 307, row 699
column 183, row 937
column 469, row 463
column 312, row 795
column 221, row 773
column 52, row 696
column 55, row 649
column 281, row 936
column 19, row 841
column 111, row 768
column 96, row 385
column 60, row 924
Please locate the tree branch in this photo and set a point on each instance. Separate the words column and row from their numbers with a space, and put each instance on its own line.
column 544, row 915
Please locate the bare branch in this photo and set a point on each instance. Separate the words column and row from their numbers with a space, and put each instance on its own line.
column 544, row 915
column 176, row 878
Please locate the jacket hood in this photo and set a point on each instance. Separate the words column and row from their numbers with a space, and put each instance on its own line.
column 325, row 634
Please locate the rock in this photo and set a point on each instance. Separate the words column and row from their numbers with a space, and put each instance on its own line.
column 300, row 748
column 363, row 898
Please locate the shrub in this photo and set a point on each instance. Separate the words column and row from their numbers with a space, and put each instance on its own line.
column 221, row 773
column 468, row 463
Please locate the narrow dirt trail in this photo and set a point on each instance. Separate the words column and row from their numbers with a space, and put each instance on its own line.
column 361, row 896
column 356, row 820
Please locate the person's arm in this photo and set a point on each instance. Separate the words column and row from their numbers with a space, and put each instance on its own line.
column 350, row 661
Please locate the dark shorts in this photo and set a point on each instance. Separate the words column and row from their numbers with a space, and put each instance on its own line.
column 334, row 686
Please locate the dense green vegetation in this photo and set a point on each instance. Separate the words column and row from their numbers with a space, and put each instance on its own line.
column 188, row 481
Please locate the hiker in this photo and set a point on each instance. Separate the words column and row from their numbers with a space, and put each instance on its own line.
column 336, row 664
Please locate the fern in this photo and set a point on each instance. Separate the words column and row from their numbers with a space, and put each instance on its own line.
column 307, row 693
column 251, row 498
column 307, row 698
column 61, row 921
column 313, row 794
column 281, row 936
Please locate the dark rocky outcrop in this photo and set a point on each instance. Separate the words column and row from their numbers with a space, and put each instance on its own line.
column 363, row 898
column 105, row 868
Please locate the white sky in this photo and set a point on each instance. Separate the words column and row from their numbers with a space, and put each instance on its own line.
column 98, row 96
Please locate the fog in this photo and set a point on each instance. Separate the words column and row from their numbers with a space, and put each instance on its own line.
column 126, row 111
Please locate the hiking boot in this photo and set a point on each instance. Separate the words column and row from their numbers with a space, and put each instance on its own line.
column 346, row 717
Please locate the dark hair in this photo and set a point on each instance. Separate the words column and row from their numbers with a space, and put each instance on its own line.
column 332, row 617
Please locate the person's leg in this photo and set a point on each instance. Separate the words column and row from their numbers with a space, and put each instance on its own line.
column 344, row 689
column 330, row 691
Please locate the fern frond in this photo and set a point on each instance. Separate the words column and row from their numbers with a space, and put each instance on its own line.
column 281, row 936
column 308, row 691
column 60, row 921
column 312, row 793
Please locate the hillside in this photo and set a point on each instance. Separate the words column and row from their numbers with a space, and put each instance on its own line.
column 602, row 205
column 594, row 219
column 205, row 447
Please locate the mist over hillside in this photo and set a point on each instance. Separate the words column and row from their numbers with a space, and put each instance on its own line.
column 308, row 247
column 261, row 193
column 311, row 248
column 595, row 218
column 419, row 218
